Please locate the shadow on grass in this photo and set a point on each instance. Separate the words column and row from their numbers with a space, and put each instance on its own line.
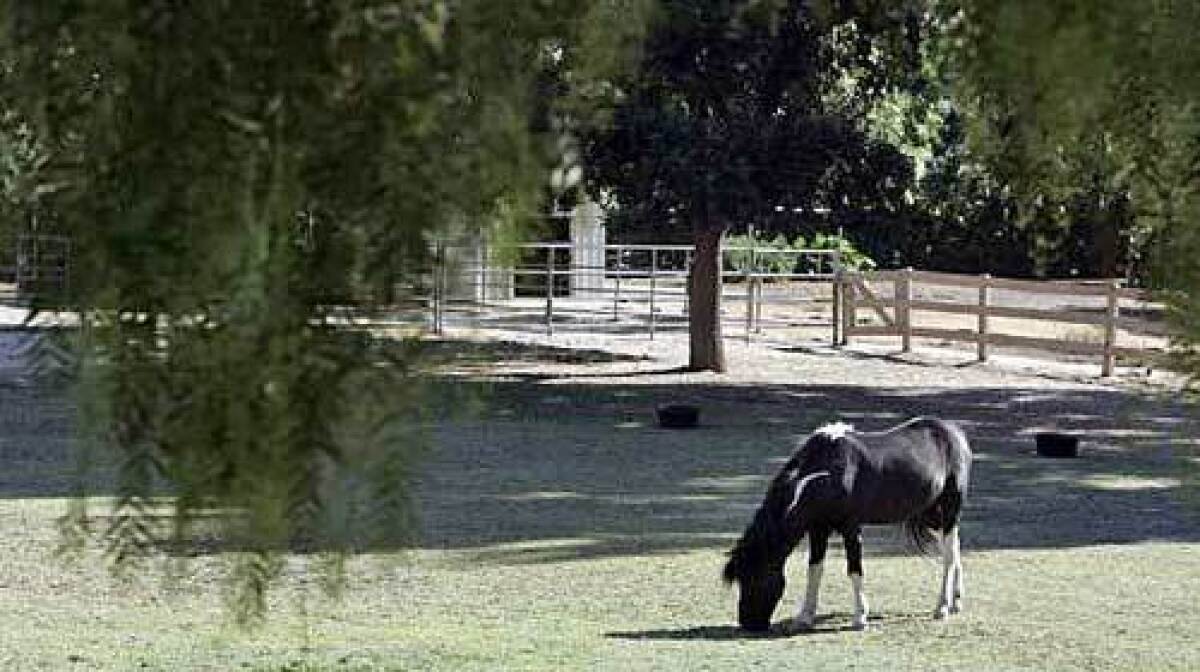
column 826, row 624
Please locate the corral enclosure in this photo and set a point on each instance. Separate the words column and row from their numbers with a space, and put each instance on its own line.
column 563, row 530
column 791, row 297
column 786, row 296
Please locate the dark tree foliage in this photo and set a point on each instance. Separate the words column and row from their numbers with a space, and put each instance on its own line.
column 848, row 180
column 233, row 175
column 741, row 110
column 966, row 217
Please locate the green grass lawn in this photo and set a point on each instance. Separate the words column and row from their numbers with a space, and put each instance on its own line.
column 563, row 531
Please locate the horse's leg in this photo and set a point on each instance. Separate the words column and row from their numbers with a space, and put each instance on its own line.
column 952, row 582
column 950, row 600
column 947, row 586
column 853, row 538
column 806, row 611
column 956, row 553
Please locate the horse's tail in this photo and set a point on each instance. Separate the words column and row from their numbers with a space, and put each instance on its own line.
column 958, row 458
column 920, row 534
column 939, row 518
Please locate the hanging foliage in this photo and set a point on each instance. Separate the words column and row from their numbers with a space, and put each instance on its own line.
column 237, row 178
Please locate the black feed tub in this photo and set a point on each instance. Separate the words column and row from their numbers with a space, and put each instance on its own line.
column 678, row 416
column 1057, row 444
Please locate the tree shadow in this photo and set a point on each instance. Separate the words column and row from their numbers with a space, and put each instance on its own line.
column 591, row 475
column 559, row 468
column 530, row 377
column 531, row 321
column 454, row 351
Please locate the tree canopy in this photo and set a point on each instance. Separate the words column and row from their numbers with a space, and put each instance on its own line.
column 743, row 109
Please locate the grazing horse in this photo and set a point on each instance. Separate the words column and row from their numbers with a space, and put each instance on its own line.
column 838, row 481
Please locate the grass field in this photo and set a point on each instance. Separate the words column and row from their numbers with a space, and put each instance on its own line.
column 562, row 530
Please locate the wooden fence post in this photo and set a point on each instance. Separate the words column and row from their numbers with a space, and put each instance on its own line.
column 617, row 290
column 480, row 272
column 981, row 347
column 904, row 310
column 687, row 280
column 1110, row 329
column 758, row 306
column 550, row 291
column 653, row 277
column 836, row 306
column 749, row 278
column 439, row 262
column 849, row 308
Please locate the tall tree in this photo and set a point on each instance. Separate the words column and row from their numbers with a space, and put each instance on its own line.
column 741, row 107
column 233, row 175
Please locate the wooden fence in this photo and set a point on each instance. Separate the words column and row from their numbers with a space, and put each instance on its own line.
column 856, row 294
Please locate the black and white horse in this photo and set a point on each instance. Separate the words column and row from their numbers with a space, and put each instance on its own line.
column 839, row 480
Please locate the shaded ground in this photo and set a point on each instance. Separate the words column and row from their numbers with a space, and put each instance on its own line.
column 563, row 530
column 586, row 463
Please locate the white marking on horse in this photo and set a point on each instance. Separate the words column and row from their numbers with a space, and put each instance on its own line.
column 861, row 608
column 950, row 599
column 803, row 484
column 806, row 615
column 835, row 430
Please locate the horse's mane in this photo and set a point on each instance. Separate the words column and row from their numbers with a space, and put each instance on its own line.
column 753, row 549
column 765, row 538
column 765, row 534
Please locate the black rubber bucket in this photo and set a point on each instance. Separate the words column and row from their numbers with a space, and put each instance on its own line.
column 678, row 416
column 1057, row 444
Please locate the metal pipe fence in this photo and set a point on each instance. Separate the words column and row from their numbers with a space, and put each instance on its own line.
column 32, row 264
column 638, row 288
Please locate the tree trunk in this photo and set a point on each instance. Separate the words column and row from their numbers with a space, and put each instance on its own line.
column 704, row 289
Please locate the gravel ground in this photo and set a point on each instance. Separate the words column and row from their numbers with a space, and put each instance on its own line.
column 767, row 361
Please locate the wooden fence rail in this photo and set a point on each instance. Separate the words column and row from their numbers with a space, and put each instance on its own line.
column 856, row 293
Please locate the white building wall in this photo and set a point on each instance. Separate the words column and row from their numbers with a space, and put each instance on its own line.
column 587, row 249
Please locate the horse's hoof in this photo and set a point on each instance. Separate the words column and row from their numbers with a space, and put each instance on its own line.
column 956, row 608
column 859, row 625
column 941, row 612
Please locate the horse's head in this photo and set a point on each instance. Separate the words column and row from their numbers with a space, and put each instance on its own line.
column 756, row 564
column 760, row 586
